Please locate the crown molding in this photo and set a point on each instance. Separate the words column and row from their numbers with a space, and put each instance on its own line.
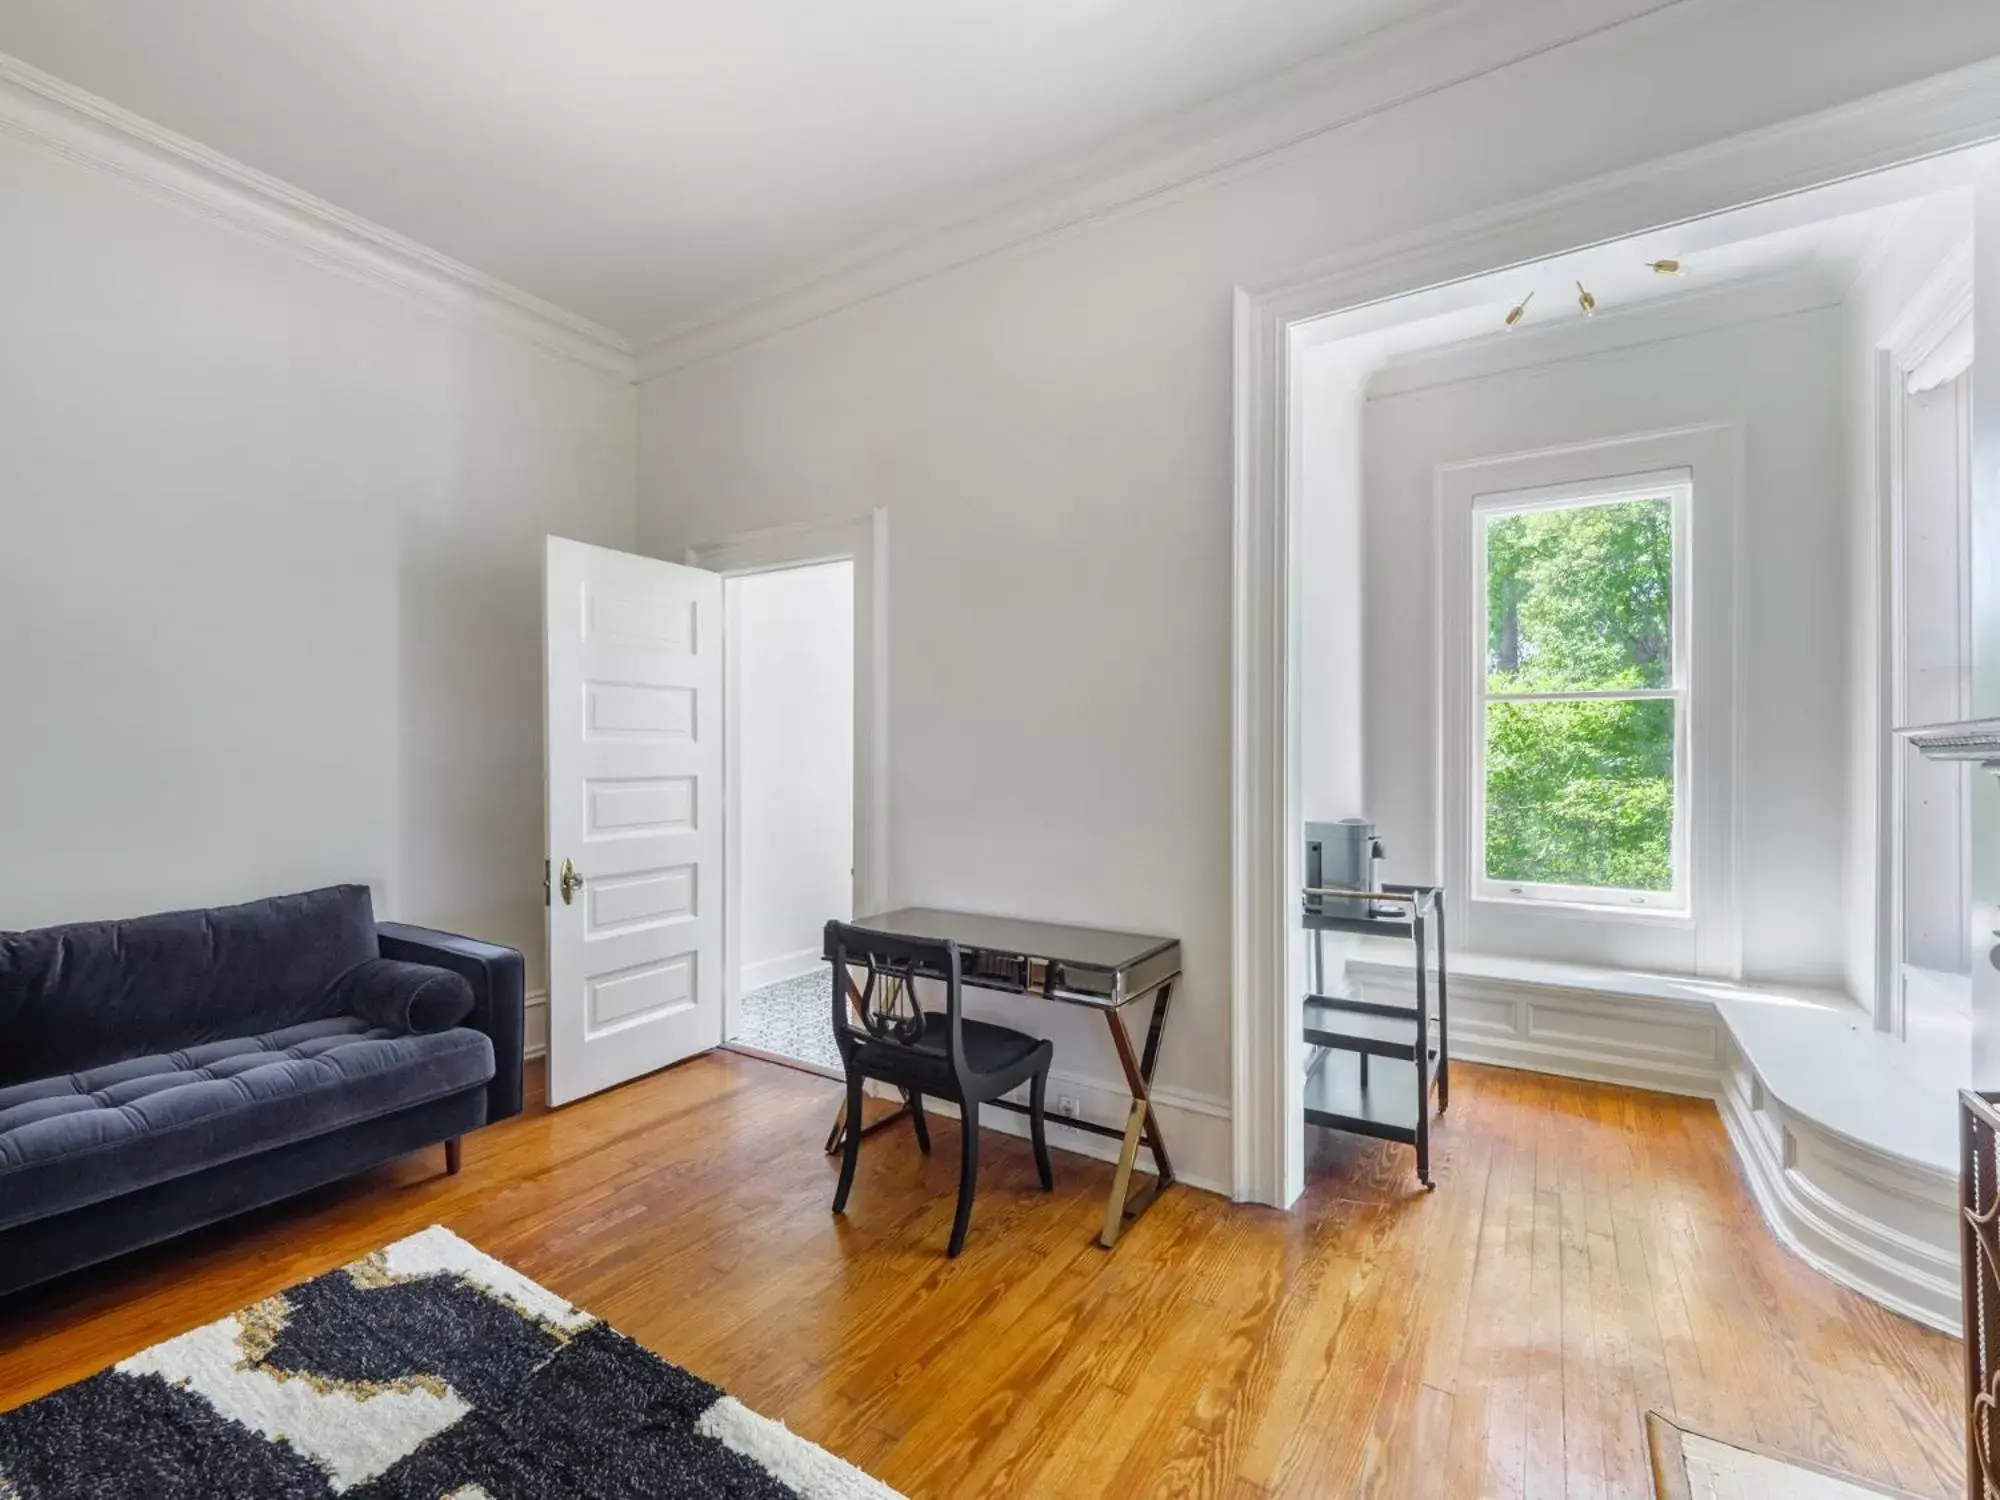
column 71, row 123
column 1451, row 43
column 1750, row 299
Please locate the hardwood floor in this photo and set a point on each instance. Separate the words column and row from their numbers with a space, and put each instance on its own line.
column 1590, row 1253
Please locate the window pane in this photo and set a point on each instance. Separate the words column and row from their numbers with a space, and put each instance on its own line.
column 1581, row 793
column 1580, row 598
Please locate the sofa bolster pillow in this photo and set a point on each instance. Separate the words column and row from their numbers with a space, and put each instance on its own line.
column 402, row 997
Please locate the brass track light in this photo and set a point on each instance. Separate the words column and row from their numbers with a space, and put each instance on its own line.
column 1584, row 300
column 1520, row 310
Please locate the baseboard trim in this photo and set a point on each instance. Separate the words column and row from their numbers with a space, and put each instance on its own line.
column 777, row 970
column 1878, row 1223
column 535, row 1024
column 1196, row 1126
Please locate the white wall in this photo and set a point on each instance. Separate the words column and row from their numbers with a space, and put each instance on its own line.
column 1050, row 431
column 1779, row 378
column 1327, row 418
column 270, row 570
column 791, row 648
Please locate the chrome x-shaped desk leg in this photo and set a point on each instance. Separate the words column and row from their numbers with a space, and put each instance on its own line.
column 1142, row 1125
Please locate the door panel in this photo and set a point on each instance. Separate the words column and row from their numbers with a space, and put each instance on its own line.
column 634, row 662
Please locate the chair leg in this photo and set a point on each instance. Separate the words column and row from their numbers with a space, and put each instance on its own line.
column 850, row 1151
column 1038, row 1097
column 968, row 1173
column 917, row 1119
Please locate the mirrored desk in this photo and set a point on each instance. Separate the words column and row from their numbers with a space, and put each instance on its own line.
column 1102, row 971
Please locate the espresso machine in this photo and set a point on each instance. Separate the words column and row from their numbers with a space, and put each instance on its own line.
column 1347, row 856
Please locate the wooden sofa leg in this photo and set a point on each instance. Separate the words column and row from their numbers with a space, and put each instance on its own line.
column 454, row 1154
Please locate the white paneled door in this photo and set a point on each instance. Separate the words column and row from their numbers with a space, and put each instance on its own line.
column 634, row 761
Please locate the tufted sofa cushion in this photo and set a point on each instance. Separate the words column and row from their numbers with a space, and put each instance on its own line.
column 78, row 997
column 76, row 1138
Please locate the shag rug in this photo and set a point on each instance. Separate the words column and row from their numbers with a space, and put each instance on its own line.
column 426, row 1371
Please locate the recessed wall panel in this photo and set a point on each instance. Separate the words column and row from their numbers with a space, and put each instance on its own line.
column 633, row 711
column 637, row 806
column 610, row 615
column 645, row 898
column 648, row 991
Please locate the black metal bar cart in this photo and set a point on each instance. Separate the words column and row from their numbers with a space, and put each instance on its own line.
column 1372, row 1064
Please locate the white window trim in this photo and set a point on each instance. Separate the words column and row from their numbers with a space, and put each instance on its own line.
column 1675, row 486
column 1709, row 459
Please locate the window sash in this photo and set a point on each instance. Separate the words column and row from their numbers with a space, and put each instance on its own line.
column 1677, row 901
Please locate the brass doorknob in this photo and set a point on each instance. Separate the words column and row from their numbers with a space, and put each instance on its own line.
column 572, row 882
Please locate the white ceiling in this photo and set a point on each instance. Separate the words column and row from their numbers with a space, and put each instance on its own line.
column 643, row 162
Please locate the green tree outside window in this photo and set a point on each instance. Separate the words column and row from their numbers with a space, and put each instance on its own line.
column 1580, row 791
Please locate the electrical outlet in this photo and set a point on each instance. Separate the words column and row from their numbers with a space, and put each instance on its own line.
column 1068, row 1108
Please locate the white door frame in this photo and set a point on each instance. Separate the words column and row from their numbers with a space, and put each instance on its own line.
column 864, row 541
column 1937, row 308
column 1940, row 114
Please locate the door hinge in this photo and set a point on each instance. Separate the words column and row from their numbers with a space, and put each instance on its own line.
column 545, row 884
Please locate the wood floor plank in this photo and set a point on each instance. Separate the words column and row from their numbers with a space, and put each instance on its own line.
column 1589, row 1254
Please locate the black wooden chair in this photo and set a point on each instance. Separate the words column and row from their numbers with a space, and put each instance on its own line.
column 883, row 1033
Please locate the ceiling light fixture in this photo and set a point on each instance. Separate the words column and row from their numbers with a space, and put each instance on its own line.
column 1520, row 310
column 1584, row 300
column 1664, row 267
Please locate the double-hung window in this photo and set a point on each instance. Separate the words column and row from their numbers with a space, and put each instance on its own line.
column 1580, row 792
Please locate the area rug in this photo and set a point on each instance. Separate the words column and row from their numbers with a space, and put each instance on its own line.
column 426, row 1371
column 1691, row 1465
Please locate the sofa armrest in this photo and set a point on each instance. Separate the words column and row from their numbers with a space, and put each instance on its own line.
column 498, row 977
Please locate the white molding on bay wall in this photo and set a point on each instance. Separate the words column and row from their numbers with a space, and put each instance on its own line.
column 1445, row 45
column 74, row 124
column 1943, row 113
column 1940, row 304
column 1882, row 1224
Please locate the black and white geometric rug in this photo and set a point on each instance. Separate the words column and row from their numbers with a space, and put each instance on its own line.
column 426, row 1371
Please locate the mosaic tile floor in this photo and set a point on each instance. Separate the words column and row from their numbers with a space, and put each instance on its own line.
column 792, row 1018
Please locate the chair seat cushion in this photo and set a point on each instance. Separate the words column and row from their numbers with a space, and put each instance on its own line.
column 988, row 1048
column 80, row 1137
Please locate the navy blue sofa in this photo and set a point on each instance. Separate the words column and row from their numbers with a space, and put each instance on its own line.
column 165, row 1072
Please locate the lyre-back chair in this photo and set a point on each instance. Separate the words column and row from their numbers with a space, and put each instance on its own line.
column 884, row 1033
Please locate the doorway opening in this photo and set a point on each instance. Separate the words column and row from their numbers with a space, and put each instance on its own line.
column 789, row 734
